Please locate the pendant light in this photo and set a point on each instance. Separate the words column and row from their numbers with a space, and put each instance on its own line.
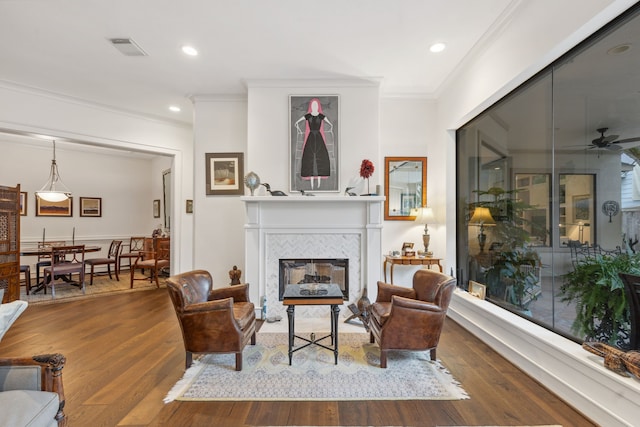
column 54, row 190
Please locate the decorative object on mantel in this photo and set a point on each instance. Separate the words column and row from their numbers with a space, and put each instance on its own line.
column 252, row 181
column 366, row 170
column 234, row 275
column 610, row 208
column 302, row 193
column 273, row 192
column 348, row 191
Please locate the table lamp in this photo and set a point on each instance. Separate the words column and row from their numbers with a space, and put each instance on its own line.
column 482, row 216
column 425, row 216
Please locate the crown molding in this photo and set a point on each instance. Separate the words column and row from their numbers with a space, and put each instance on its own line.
column 20, row 88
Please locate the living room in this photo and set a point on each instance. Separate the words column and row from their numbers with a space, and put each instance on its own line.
column 374, row 126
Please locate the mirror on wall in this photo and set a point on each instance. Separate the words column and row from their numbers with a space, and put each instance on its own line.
column 168, row 202
column 405, row 186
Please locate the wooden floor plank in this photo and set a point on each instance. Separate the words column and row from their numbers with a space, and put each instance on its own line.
column 124, row 352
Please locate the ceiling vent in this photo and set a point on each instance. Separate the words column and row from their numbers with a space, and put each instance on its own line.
column 127, row 47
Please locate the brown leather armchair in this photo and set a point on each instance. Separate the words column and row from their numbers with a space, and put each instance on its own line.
column 411, row 318
column 212, row 320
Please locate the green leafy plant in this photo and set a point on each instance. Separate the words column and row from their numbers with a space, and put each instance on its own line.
column 602, row 312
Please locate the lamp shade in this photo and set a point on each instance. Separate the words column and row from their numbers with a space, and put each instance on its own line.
column 54, row 189
column 482, row 216
column 425, row 216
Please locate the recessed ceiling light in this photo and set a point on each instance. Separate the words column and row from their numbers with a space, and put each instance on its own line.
column 437, row 47
column 174, row 108
column 190, row 50
column 621, row 48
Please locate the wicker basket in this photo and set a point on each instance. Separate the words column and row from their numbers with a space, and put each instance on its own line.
column 632, row 362
column 617, row 360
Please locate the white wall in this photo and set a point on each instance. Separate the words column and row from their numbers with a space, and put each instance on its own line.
column 220, row 126
column 407, row 128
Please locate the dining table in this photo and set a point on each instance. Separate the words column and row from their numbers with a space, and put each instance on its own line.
column 36, row 251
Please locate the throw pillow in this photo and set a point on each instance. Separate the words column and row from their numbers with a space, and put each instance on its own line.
column 9, row 313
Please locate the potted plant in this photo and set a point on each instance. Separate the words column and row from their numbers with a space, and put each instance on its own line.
column 512, row 275
column 602, row 312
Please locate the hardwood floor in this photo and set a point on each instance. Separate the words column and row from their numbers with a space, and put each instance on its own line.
column 124, row 352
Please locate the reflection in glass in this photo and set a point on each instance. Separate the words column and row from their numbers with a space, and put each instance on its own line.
column 547, row 161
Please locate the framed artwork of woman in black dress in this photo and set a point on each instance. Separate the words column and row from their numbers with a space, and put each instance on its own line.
column 314, row 143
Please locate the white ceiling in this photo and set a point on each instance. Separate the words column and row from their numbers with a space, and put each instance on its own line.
column 61, row 45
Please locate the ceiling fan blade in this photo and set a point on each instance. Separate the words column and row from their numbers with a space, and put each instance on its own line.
column 613, row 147
column 610, row 138
column 623, row 141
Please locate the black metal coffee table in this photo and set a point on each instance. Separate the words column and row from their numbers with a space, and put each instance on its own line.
column 313, row 294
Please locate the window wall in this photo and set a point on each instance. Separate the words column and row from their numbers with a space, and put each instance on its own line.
column 540, row 182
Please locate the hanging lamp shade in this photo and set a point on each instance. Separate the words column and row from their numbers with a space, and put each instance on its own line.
column 54, row 189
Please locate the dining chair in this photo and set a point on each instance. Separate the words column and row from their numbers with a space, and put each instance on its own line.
column 154, row 257
column 26, row 270
column 65, row 261
column 44, row 256
column 136, row 244
column 111, row 259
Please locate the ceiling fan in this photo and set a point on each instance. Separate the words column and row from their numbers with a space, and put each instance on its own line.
column 611, row 142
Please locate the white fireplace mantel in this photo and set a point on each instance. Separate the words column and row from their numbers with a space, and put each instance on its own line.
column 333, row 221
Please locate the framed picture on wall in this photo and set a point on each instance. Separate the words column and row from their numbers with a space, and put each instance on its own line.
column 225, row 172
column 582, row 208
column 156, row 208
column 91, row 206
column 46, row 208
column 23, row 203
column 314, row 155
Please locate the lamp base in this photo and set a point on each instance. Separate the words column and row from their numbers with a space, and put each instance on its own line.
column 426, row 239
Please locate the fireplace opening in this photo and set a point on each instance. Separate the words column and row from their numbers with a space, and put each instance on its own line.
column 314, row 270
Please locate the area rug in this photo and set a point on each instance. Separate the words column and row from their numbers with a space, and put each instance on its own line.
column 266, row 374
column 102, row 286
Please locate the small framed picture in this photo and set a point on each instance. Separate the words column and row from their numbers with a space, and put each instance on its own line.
column 225, row 173
column 189, row 206
column 23, row 203
column 156, row 208
column 91, row 206
column 478, row 290
column 46, row 208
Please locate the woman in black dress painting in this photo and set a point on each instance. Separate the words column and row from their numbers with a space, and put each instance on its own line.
column 315, row 156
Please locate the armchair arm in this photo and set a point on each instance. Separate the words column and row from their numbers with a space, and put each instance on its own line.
column 50, row 366
column 239, row 293
column 218, row 304
column 414, row 304
column 387, row 291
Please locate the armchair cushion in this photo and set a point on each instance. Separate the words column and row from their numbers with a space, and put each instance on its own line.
column 19, row 377
column 29, row 408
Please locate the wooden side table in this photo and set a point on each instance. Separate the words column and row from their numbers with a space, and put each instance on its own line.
column 408, row 260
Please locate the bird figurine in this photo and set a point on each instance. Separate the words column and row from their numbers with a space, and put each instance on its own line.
column 273, row 192
column 302, row 193
column 349, row 192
